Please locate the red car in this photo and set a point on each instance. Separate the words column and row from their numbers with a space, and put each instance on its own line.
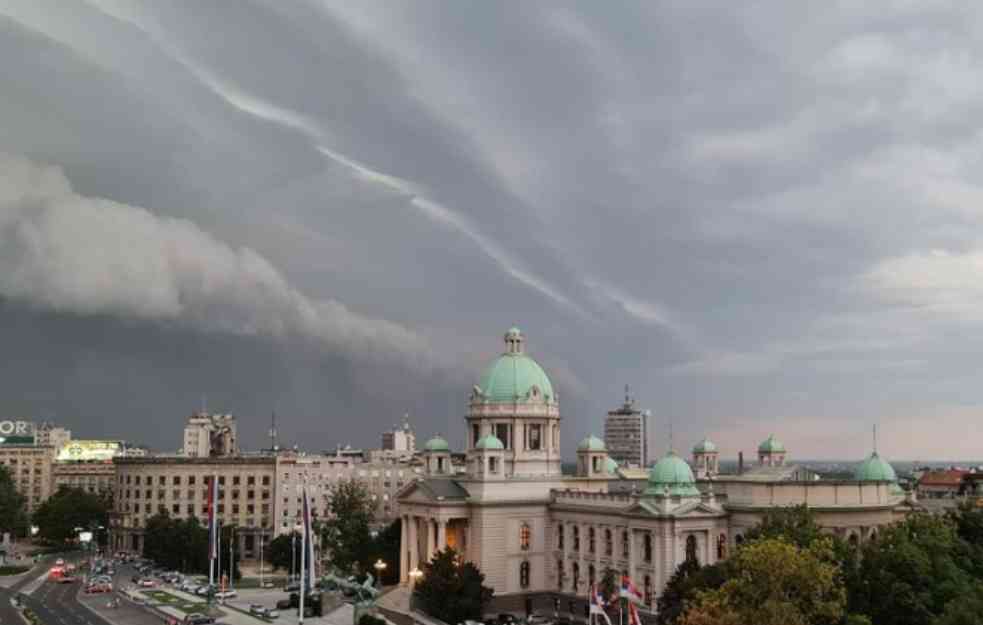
column 98, row 588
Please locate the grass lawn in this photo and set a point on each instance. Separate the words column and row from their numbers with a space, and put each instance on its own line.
column 13, row 570
column 173, row 601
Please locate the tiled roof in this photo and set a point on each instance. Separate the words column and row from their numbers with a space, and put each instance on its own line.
column 948, row 477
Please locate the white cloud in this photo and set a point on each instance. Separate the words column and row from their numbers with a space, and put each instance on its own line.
column 69, row 253
column 937, row 281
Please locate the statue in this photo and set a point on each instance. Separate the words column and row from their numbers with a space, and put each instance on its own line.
column 365, row 593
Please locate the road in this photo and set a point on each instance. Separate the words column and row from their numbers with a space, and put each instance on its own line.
column 59, row 604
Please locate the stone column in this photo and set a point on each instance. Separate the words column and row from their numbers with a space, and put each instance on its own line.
column 441, row 536
column 404, row 547
column 413, row 559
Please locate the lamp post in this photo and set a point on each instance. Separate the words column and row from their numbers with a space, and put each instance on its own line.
column 380, row 566
column 262, row 533
column 415, row 575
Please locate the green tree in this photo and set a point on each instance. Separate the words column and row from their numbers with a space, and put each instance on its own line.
column 966, row 610
column 280, row 547
column 68, row 509
column 774, row 582
column 912, row 572
column 610, row 584
column 177, row 544
column 793, row 524
column 346, row 532
column 386, row 547
column 451, row 590
column 685, row 585
column 13, row 515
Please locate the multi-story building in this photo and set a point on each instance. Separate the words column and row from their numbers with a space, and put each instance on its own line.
column 178, row 486
column 207, row 435
column 87, row 464
column 400, row 440
column 51, row 435
column 322, row 472
column 26, row 452
column 626, row 434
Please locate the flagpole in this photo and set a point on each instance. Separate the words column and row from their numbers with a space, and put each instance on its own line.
column 303, row 556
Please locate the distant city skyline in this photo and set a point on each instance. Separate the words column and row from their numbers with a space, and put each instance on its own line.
column 334, row 210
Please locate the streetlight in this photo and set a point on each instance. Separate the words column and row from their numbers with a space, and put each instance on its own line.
column 380, row 566
column 415, row 575
column 262, row 534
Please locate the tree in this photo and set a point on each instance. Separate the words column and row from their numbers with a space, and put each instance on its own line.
column 685, row 585
column 178, row 544
column 386, row 547
column 794, row 524
column 774, row 582
column 610, row 584
column 13, row 515
column 280, row 548
column 964, row 610
column 68, row 509
column 451, row 590
column 913, row 572
column 345, row 533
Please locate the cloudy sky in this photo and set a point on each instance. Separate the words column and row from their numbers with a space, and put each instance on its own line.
column 763, row 217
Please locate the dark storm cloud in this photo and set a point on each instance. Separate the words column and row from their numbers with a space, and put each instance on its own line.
column 763, row 218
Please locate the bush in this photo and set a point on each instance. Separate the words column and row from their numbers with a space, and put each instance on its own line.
column 368, row 619
column 13, row 570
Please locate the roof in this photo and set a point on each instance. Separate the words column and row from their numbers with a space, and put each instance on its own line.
column 945, row 477
column 705, row 446
column 437, row 443
column 771, row 445
column 591, row 443
column 875, row 469
column 489, row 442
column 443, row 488
column 672, row 474
column 514, row 376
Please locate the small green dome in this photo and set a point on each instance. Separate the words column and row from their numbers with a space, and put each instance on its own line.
column 514, row 376
column 674, row 473
column 875, row 469
column 489, row 442
column 611, row 466
column 437, row 443
column 591, row 443
column 705, row 446
column 771, row 445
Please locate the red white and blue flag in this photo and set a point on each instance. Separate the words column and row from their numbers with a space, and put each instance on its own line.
column 597, row 603
column 213, row 518
column 629, row 591
column 633, row 616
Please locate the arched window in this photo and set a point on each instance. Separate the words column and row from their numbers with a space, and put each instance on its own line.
column 647, row 589
column 525, row 535
column 854, row 541
column 591, row 575
column 576, row 576
column 873, row 535
column 559, row 536
column 625, row 545
column 559, row 574
column 739, row 540
column 647, row 547
column 691, row 549
column 608, row 543
column 576, row 538
column 524, row 575
column 590, row 540
column 722, row 546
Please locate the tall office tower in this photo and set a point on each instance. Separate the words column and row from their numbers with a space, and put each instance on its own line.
column 626, row 434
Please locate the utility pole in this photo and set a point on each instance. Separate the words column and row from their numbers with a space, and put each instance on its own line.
column 232, row 559
column 261, row 532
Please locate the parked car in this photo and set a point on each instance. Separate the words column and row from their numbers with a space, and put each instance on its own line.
column 98, row 588
column 146, row 582
column 270, row 613
column 292, row 587
column 226, row 594
column 198, row 619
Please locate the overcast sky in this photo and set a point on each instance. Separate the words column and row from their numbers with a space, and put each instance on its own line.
column 764, row 217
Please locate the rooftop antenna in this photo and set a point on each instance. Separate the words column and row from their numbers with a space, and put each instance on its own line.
column 670, row 435
column 204, row 404
column 875, row 438
column 273, row 433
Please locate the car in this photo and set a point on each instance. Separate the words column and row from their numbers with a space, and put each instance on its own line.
column 292, row 587
column 188, row 586
column 146, row 582
column 59, row 562
column 203, row 590
column 226, row 594
column 198, row 619
column 507, row 619
column 98, row 588
column 271, row 613
column 67, row 579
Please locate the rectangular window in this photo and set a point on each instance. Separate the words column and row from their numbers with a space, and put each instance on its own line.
column 535, row 437
column 475, row 434
column 503, row 433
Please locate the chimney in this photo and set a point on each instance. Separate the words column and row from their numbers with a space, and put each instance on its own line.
column 740, row 463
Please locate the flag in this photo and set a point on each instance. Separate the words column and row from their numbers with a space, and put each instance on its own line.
column 213, row 518
column 633, row 617
column 629, row 591
column 597, row 604
column 309, row 538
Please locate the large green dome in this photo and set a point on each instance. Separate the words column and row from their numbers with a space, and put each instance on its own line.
column 771, row 445
column 437, row 443
column 674, row 473
column 875, row 469
column 705, row 446
column 514, row 376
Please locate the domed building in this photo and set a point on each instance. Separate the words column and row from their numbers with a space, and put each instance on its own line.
column 540, row 536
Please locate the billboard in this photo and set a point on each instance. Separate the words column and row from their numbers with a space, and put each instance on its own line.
column 16, row 433
column 89, row 451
